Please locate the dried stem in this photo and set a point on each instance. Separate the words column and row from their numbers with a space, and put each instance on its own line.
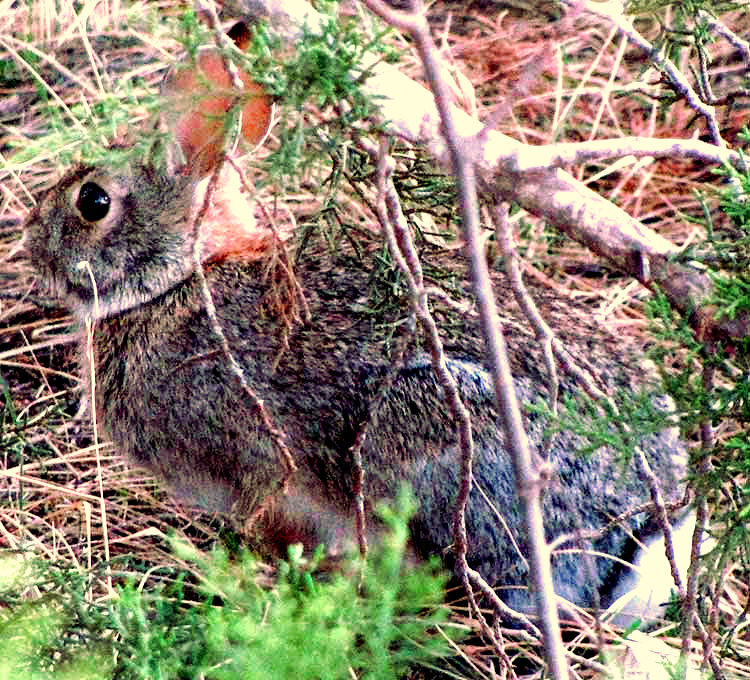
column 528, row 483
column 660, row 513
column 277, row 436
column 403, row 251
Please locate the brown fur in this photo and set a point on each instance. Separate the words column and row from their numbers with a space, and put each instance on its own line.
column 170, row 401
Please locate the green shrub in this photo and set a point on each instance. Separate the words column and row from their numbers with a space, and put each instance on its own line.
column 223, row 624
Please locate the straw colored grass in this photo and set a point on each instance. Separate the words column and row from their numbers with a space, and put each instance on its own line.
column 540, row 82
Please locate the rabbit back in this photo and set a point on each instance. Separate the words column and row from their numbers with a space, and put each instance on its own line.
column 206, row 437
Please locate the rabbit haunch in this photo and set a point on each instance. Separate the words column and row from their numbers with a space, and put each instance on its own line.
column 170, row 401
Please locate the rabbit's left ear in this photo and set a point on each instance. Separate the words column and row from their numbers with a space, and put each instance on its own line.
column 201, row 102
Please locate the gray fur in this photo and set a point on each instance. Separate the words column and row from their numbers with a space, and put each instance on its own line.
column 169, row 400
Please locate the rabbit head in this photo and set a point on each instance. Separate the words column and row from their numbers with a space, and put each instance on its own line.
column 105, row 240
column 102, row 251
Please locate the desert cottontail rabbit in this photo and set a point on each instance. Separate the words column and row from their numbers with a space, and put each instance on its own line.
column 169, row 400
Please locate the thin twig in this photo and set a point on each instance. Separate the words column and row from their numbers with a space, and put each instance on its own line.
column 527, row 481
column 544, row 334
column 691, row 618
column 276, row 435
column 223, row 42
column 565, row 154
column 676, row 78
column 660, row 507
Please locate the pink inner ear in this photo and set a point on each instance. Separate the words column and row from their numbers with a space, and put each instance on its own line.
column 201, row 103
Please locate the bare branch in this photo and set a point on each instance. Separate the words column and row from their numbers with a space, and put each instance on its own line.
column 614, row 12
column 572, row 153
column 526, row 174
column 742, row 45
column 609, row 231
column 657, row 498
column 527, row 480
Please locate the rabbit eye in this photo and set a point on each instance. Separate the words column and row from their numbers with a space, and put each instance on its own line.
column 93, row 202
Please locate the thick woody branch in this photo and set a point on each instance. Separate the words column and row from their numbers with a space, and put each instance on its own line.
column 530, row 176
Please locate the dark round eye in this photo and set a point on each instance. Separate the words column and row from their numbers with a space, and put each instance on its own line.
column 93, row 202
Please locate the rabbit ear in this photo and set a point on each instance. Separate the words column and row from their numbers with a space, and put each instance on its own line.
column 201, row 96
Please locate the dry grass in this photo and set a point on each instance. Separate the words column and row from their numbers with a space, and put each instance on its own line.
column 49, row 477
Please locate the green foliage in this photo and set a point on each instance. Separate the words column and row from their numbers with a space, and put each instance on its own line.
column 192, row 33
column 674, row 335
column 225, row 625
column 424, row 190
column 734, row 201
column 85, row 125
column 325, row 70
column 41, row 636
column 320, row 69
column 12, row 74
column 727, row 251
column 720, row 474
column 732, row 294
column 16, row 443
